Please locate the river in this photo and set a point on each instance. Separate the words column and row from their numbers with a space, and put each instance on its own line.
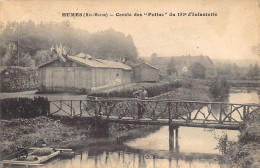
column 196, row 148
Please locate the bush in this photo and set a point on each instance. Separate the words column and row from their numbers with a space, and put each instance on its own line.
column 244, row 152
column 24, row 107
column 19, row 79
column 219, row 88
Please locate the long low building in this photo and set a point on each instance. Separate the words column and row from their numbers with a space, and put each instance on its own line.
column 81, row 74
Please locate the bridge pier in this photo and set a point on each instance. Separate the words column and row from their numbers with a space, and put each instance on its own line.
column 101, row 128
column 173, row 138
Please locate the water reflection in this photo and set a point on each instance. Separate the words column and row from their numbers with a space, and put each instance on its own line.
column 126, row 159
column 189, row 140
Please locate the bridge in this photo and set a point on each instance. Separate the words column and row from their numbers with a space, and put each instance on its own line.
column 175, row 113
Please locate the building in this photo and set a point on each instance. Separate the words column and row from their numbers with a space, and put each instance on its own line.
column 81, row 73
column 146, row 73
column 197, row 71
column 186, row 66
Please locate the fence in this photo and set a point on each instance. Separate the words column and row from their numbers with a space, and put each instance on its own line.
column 157, row 110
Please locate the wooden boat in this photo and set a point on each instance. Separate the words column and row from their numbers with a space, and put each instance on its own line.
column 32, row 159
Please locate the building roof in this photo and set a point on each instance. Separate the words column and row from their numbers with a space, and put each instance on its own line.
column 115, row 64
column 87, row 60
column 188, row 60
column 148, row 65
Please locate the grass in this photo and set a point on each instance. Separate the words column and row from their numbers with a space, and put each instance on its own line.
column 35, row 132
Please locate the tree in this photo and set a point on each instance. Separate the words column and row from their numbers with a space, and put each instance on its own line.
column 250, row 73
column 153, row 58
column 42, row 56
column 235, row 71
column 219, row 88
column 31, row 37
column 256, row 49
column 171, row 68
column 12, row 58
column 253, row 72
column 256, row 70
column 110, row 44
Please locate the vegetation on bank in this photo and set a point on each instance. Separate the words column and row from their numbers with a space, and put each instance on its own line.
column 15, row 79
column 246, row 152
column 219, row 88
column 65, row 132
column 190, row 90
column 36, row 131
column 24, row 107
column 153, row 89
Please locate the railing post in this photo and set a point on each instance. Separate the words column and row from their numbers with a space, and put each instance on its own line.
column 96, row 109
column 220, row 115
column 106, row 104
column 244, row 113
column 134, row 108
column 176, row 115
column 71, row 108
column 229, row 117
column 169, row 113
column 80, row 102
column 153, row 113
column 189, row 113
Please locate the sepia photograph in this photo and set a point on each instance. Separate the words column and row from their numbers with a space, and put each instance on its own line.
column 129, row 84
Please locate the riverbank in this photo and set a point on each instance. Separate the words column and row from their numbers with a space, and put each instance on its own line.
column 63, row 132
column 246, row 152
column 195, row 92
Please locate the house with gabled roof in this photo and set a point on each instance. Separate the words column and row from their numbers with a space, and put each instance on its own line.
column 145, row 72
column 186, row 66
column 81, row 74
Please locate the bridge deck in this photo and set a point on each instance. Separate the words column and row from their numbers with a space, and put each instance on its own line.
column 175, row 122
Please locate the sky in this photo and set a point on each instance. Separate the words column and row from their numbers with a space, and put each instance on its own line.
column 229, row 35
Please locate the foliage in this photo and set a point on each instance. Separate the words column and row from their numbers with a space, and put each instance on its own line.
column 153, row 89
column 111, row 44
column 185, row 91
column 219, row 88
column 19, row 79
column 36, row 131
column 24, row 107
column 230, row 71
column 256, row 49
column 222, row 143
column 253, row 72
column 42, row 56
column 35, row 40
column 243, row 153
column 12, row 58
